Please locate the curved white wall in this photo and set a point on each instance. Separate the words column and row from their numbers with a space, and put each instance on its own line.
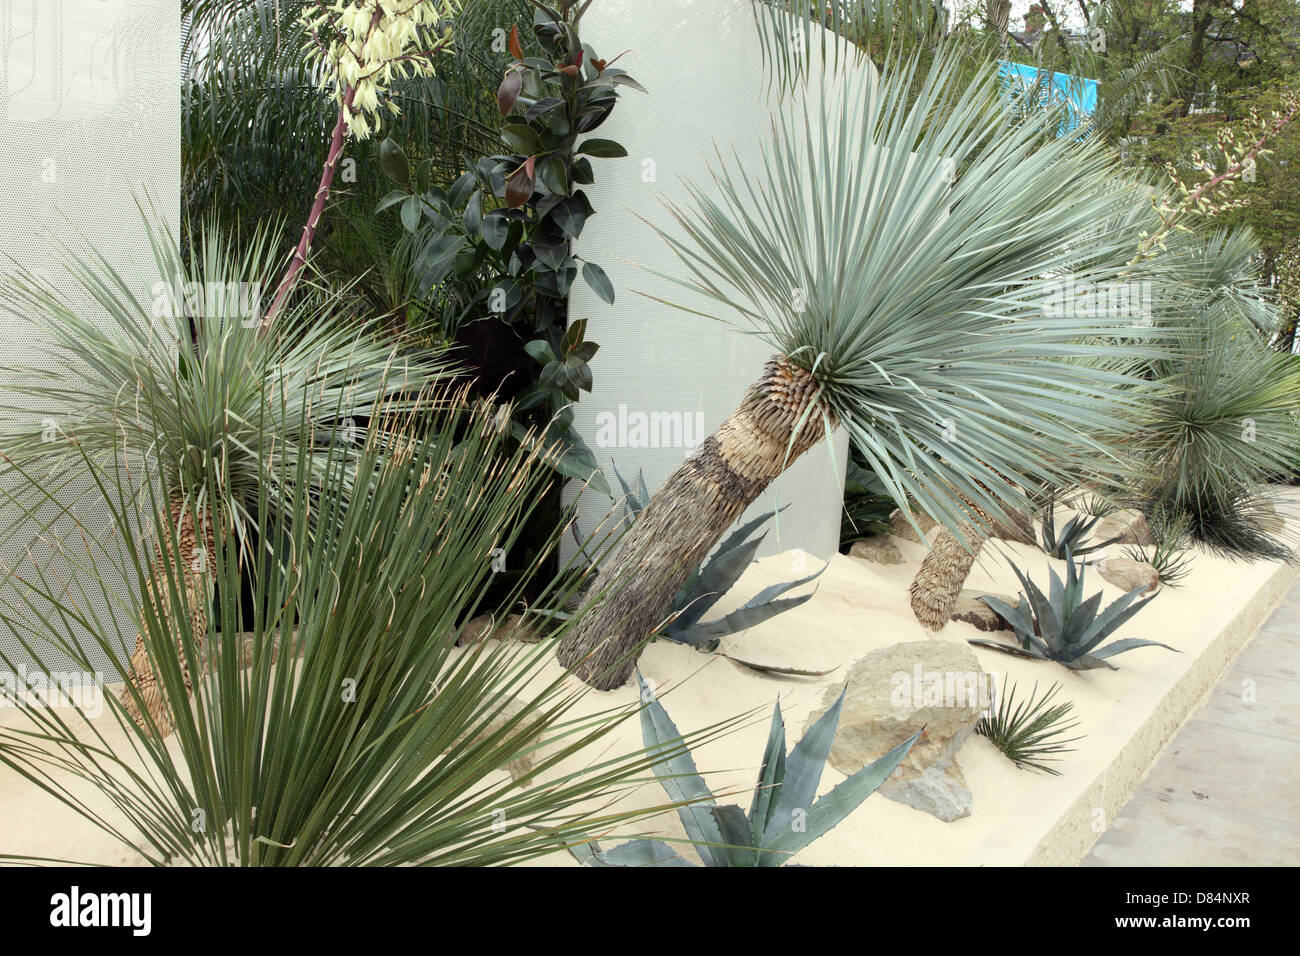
column 701, row 61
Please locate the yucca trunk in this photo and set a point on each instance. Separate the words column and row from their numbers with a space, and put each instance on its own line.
column 685, row 519
column 195, row 542
column 943, row 574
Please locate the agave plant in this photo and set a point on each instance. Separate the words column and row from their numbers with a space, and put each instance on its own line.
column 785, row 815
column 1072, row 536
column 1063, row 627
column 186, row 380
column 336, row 723
column 714, row 579
column 1029, row 732
column 906, row 303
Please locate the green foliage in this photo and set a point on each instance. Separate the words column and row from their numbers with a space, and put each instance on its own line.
column 714, row 579
column 1065, row 628
column 785, row 816
column 496, row 246
column 867, row 505
column 251, row 112
column 1029, row 732
column 187, row 380
column 373, row 740
column 1171, row 554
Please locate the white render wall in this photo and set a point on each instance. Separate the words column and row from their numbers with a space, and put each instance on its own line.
column 701, row 61
column 89, row 120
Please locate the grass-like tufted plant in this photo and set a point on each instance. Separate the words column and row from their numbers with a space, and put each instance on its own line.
column 337, row 723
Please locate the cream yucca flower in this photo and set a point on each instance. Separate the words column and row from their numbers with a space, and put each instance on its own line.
column 363, row 45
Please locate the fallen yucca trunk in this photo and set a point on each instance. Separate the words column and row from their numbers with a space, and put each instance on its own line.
column 903, row 267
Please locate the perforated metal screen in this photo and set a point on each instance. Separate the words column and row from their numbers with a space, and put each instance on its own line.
column 89, row 121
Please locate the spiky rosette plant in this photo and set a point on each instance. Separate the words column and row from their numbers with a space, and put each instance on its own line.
column 335, row 723
column 901, row 266
column 1221, row 420
column 186, row 379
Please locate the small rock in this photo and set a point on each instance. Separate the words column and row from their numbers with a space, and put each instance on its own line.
column 1127, row 574
column 878, row 549
column 899, row 526
column 484, row 627
column 520, row 769
column 1128, row 527
column 1019, row 528
column 972, row 610
column 894, row 692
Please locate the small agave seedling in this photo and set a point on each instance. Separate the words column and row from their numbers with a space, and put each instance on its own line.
column 708, row 583
column 1072, row 535
column 1063, row 627
column 785, row 816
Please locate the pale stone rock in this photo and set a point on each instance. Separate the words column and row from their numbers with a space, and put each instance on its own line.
column 899, row 526
column 1127, row 574
column 973, row 611
column 894, row 692
column 877, row 549
column 1128, row 526
column 485, row 627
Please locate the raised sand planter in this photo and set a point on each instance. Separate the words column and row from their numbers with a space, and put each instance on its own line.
column 1017, row 817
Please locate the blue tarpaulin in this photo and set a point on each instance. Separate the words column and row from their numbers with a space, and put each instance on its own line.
column 1078, row 93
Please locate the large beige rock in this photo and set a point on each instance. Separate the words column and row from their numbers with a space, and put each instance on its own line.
column 899, row 526
column 1128, row 526
column 1127, row 574
column 973, row 611
column 894, row 692
column 877, row 549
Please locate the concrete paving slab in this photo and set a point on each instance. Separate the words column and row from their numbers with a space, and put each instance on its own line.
column 1226, row 791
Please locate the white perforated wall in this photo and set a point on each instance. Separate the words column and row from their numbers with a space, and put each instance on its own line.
column 89, row 120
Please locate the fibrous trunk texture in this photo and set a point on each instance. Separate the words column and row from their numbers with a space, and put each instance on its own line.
column 942, row 575
column 193, row 554
column 685, row 519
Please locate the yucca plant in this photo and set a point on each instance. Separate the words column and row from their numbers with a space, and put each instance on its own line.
column 1223, row 420
column 185, row 379
column 1062, row 626
column 337, row 723
column 906, row 302
column 785, row 815
column 1030, row 733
